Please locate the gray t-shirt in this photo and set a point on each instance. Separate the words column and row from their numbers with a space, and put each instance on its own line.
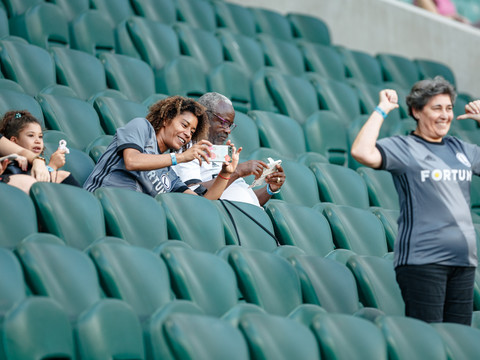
column 433, row 184
column 110, row 169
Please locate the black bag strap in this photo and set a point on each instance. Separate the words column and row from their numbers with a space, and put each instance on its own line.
column 249, row 216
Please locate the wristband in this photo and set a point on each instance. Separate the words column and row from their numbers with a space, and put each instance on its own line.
column 50, row 169
column 270, row 192
column 223, row 177
column 174, row 158
column 381, row 112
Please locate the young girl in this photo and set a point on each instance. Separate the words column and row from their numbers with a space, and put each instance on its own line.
column 25, row 130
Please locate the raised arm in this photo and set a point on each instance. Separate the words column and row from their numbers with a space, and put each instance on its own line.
column 364, row 148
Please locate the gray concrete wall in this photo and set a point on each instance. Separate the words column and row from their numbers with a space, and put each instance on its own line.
column 392, row 26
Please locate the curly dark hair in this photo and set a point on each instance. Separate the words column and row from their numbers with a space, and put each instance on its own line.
column 423, row 90
column 14, row 121
column 164, row 111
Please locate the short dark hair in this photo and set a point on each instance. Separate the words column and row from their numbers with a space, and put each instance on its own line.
column 14, row 121
column 422, row 91
column 164, row 111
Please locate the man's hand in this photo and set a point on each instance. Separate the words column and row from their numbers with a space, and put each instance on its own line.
column 250, row 167
column 276, row 179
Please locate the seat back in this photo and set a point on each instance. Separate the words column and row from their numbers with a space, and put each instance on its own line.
column 93, row 33
column 301, row 226
column 236, row 18
column 14, row 100
column 309, row 28
column 399, row 69
column 340, row 185
column 18, row 7
column 323, row 60
column 461, row 342
column 361, row 66
column 430, row 68
column 17, row 216
column 282, row 54
column 381, row 189
column 72, row 9
column 377, row 285
column 356, row 229
column 276, row 337
column 194, row 220
column 197, row 13
column 115, row 10
column 272, row 23
column 203, row 278
column 71, row 213
column 133, row 274
column 245, row 134
column 389, row 219
column 163, row 11
column 12, row 283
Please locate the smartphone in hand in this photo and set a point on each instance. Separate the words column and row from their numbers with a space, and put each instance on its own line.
column 221, row 153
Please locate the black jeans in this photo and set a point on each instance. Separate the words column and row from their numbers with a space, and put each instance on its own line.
column 437, row 293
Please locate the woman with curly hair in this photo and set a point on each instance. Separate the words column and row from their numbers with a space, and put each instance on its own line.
column 142, row 152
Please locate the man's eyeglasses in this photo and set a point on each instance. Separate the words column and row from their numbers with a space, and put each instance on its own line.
column 225, row 123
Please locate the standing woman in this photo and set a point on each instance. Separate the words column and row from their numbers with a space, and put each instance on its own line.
column 435, row 250
column 137, row 158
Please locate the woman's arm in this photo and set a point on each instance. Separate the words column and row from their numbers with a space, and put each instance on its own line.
column 364, row 148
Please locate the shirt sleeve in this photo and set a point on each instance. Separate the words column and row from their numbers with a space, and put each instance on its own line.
column 394, row 154
column 134, row 134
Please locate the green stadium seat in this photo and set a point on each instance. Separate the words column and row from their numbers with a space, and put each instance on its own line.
column 326, row 134
column 109, row 330
column 72, row 9
column 323, row 60
column 43, row 25
column 389, row 219
column 245, row 134
column 346, row 337
column 261, row 96
column 236, row 18
column 282, row 54
column 163, row 11
column 409, row 338
column 78, row 225
column 18, row 7
column 6, row 84
column 133, row 274
column 203, row 278
column 309, row 158
column 361, row 66
column 143, row 224
column 277, row 337
column 185, row 222
column 38, row 328
column 428, row 69
column 399, row 69
column 92, row 32
column 75, row 117
column 115, row 10
column 204, row 337
column 12, row 284
column 309, row 28
column 301, row 226
column 4, row 30
column 461, row 341
column 340, row 185
column 376, row 283
column 272, row 23
column 381, row 189
column 17, row 216
column 197, row 13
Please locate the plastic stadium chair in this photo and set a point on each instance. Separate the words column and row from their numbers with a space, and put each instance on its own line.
column 14, row 100
column 82, row 72
column 431, row 68
column 109, row 330
column 399, row 69
column 6, row 84
column 381, row 189
column 282, row 54
column 361, row 66
column 309, row 28
column 72, row 9
column 133, row 216
column 409, row 338
column 236, row 18
column 323, row 60
column 336, row 96
column 389, row 220
column 203, row 278
column 163, row 11
column 133, row 274
column 345, row 337
column 18, row 7
column 356, row 229
column 199, row 337
column 376, row 282
column 198, row 13
column 38, row 328
column 92, row 32
column 75, row 117
column 327, row 283
column 326, row 134
column 116, row 112
column 340, row 185
column 116, row 10
column 4, row 30
column 245, row 134
column 301, row 226
column 186, row 223
column 279, row 132
column 461, row 341
column 17, row 216
column 309, row 158
column 276, row 337
column 79, row 224
column 273, row 23
column 133, row 77
column 247, row 225
column 43, row 25
column 243, row 50
column 29, row 65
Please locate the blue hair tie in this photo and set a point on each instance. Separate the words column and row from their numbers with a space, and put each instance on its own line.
column 18, row 115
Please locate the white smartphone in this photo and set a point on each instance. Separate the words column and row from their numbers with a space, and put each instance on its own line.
column 221, row 153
